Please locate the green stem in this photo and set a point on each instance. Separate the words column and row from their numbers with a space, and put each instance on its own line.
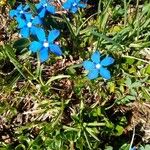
column 69, row 26
column 125, row 13
column 59, row 116
column 99, row 6
column 132, row 57
column 85, row 22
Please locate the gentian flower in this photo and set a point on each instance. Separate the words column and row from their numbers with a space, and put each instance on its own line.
column 44, row 7
column 27, row 26
column 44, row 45
column 73, row 5
column 97, row 66
column 20, row 11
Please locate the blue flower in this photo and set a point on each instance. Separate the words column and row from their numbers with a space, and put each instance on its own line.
column 27, row 26
column 44, row 7
column 97, row 66
column 20, row 11
column 44, row 45
column 73, row 5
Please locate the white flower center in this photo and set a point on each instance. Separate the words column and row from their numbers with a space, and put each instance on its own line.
column 46, row 44
column 21, row 12
column 74, row 4
column 98, row 66
column 29, row 24
column 45, row 5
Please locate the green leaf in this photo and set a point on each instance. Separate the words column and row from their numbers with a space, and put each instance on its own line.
column 10, row 53
column 130, row 97
column 11, row 2
column 56, row 78
column 125, row 147
column 96, row 124
column 148, row 69
column 136, row 84
column 107, row 39
column 21, row 44
column 147, row 147
column 20, row 147
column 128, row 82
column 108, row 148
column 32, row 7
column 146, row 94
column 119, row 130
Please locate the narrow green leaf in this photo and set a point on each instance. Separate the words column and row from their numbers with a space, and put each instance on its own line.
column 21, row 44
column 90, row 131
column 56, row 78
column 11, row 55
column 106, row 39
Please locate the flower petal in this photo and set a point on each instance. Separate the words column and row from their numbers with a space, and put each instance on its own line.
column 43, row 54
column 67, row 5
column 105, row 73
column 40, row 33
column 74, row 9
column 51, row 9
column 28, row 17
column 24, row 32
column 26, row 7
column 53, row 34
column 107, row 61
column 12, row 13
column 77, row 1
column 36, row 20
column 42, row 13
column 38, row 6
column 93, row 74
column 82, row 5
column 21, row 22
column 88, row 65
column 35, row 46
column 20, row 7
column 33, row 30
column 55, row 49
column 43, row 2
column 96, row 57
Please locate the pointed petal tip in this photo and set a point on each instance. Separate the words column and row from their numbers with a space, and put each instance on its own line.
column 107, row 61
column 53, row 34
column 96, row 57
column 105, row 73
column 93, row 74
column 88, row 65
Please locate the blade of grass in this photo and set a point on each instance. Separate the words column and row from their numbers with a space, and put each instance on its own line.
column 9, row 53
column 69, row 26
column 56, row 78
column 132, row 57
column 107, row 39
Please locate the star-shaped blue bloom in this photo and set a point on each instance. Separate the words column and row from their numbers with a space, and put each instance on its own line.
column 28, row 25
column 97, row 66
column 73, row 5
column 46, row 44
column 20, row 11
column 43, row 7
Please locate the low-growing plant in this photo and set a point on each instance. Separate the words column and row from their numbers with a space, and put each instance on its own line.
column 68, row 77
